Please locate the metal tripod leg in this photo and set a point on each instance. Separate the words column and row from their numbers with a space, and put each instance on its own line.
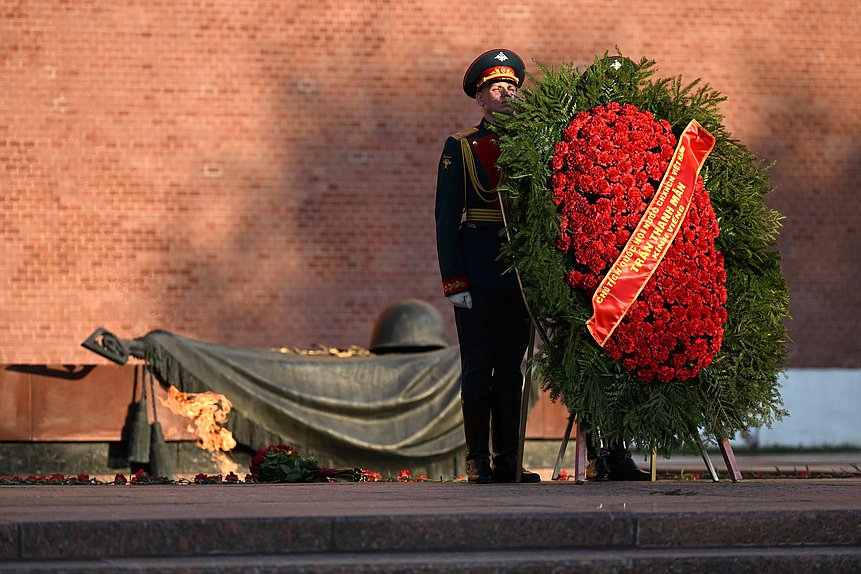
column 706, row 459
column 563, row 447
column 580, row 454
column 579, row 451
column 729, row 459
column 653, row 465
column 524, row 402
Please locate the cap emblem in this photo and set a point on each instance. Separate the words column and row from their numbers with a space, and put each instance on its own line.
column 501, row 57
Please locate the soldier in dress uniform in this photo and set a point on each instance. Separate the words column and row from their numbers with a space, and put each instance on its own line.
column 491, row 317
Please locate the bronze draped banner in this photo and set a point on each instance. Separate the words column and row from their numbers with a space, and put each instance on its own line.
column 382, row 412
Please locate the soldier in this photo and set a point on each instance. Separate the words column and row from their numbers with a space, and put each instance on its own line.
column 491, row 317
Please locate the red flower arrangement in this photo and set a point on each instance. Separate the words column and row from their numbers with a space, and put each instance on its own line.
column 281, row 463
column 203, row 478
column 607, row 168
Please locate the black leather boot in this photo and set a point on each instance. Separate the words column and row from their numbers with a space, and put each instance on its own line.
column 478, row 471
column 505, row 470
column 622, row 466
column 505, row 415
column 598, row 469
column 597, row 465
column 476, row 427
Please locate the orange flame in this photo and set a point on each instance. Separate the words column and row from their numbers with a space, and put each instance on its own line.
column 208, row 411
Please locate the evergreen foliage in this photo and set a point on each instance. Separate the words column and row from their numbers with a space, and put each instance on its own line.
column 739, row 390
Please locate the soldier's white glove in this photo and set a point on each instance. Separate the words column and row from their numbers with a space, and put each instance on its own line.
column 462, row 299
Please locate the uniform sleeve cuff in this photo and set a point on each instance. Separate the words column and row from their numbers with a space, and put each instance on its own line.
column 456, row 285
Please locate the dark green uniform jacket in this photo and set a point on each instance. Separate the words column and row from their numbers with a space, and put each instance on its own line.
column 468, row 218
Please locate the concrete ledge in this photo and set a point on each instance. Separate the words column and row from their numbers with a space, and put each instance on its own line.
column 421, row 533
column 758, row 528
column 40, row 523
column 130, row 538
column 464, row 531
column 295, row 535
column 8, row 542
column 830, row 560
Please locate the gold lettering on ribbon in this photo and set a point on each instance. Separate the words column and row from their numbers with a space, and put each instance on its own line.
column 653, row 235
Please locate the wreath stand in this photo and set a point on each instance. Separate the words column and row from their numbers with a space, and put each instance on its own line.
column 580, row 437
column 580, row 456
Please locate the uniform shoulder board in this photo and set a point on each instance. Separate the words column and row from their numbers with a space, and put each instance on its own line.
column 464, row 133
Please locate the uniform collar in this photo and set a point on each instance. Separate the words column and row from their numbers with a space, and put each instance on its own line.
column 484, row 128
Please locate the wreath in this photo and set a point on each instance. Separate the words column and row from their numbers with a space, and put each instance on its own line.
column 703, row 344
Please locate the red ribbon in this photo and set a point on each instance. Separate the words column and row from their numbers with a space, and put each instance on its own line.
column 652, row 237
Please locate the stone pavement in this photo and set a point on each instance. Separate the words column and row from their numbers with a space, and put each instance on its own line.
column 541, row 455
column 785, row 464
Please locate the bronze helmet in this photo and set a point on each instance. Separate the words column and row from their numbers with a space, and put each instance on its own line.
column 408, row 326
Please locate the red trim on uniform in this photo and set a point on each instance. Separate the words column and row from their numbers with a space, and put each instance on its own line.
column 496, row 73
column 456, row 285
column 487, row 153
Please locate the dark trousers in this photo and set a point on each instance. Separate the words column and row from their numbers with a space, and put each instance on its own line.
column 493, row 337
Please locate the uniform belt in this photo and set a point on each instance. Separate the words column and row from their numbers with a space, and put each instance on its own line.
column 476, row 214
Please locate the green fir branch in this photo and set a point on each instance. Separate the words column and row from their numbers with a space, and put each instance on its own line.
column 739, row 390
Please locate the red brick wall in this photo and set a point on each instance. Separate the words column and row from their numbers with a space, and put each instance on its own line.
column 55, row 403
column 262, row 173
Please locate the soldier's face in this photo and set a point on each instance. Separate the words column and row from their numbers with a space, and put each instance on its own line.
column 495, row 98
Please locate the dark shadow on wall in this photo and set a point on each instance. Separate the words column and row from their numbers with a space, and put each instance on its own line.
column 68, row 372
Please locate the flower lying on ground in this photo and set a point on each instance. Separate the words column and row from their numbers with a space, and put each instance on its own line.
column 407, row 476
column 281, row 463
column 55, row 478
column 370, row 476
column 141, row 477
